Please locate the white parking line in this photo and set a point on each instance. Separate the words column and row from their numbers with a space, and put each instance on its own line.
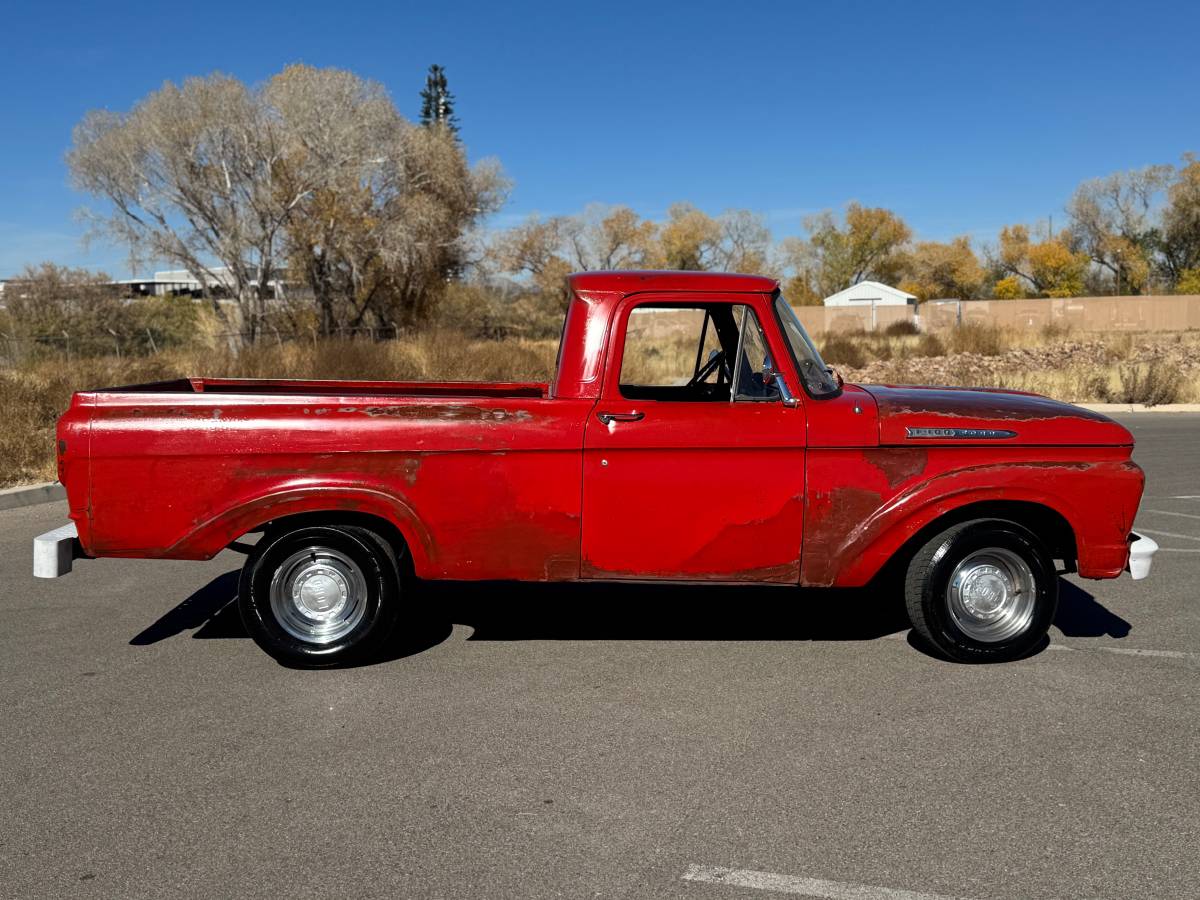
column 809, row 887
column 1125, row 651
column 1167, row 512
column 1179, row 549
column 1130, row 651
column 1171, row 534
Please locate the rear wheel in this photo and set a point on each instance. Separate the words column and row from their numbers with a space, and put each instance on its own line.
column 321, row 595
column 982, row 591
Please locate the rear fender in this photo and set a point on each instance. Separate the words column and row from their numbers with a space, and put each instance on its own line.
column 216, row 533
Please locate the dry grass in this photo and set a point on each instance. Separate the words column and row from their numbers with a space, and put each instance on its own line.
column 1126, row 367
column 34, row 395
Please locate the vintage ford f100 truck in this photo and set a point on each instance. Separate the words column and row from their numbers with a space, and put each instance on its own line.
column 691, row 433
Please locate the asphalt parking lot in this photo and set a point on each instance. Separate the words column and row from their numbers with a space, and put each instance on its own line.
column 603, row 742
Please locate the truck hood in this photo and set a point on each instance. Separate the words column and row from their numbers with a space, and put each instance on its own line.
column 940, row 415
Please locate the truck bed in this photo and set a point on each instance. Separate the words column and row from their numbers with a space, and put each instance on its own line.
column 327, row 388
column 180, row 468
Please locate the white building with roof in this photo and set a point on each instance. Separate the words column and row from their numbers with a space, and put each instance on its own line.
column 870, row 294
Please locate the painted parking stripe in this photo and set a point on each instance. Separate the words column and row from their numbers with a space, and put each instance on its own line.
column 1167, row 512
column 1179, row 549
column 1171, row 534
column 808, row 887
column 1124, row 651
column 1129, row 651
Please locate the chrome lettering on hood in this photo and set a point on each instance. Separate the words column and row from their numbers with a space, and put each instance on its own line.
column 964, row 434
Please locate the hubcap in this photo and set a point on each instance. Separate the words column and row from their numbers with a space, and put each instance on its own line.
column 318, row 595
column 991, row 595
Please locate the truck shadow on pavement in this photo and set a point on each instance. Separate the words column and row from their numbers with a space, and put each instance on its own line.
column 497, row 611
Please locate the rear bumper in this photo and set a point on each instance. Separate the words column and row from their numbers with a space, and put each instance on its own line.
column 55, row 551
column 1141, row 555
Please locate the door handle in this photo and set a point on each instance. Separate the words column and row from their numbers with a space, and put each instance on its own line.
column 608, row 418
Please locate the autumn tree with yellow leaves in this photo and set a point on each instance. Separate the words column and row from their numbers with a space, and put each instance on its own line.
column 934, row 270
column 1045, row 268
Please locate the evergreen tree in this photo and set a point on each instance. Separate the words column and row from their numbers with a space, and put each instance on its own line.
column 437, row 103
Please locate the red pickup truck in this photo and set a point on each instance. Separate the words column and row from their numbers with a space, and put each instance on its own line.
column 691, row 433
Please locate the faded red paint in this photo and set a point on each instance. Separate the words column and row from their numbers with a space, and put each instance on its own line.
column 858, row 517
column 1035, row 419
column 522, row 481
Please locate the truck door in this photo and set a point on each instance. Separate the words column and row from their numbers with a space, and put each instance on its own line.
column 693, row 463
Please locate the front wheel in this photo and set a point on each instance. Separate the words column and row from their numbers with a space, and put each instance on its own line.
column 982, row 591
column 320, row 595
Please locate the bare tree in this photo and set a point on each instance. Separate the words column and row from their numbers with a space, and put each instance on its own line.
column 1112, row 221
column 379, row 238
column 316, row 166
column 745, row 243
column 190, row 177
column 1180, row 235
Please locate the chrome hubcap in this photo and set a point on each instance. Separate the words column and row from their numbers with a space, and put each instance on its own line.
column 991, row 595
column 318, row 595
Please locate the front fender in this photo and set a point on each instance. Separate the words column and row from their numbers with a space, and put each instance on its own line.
column 863, row 506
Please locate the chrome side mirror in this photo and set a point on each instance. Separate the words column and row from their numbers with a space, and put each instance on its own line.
column 773, row 376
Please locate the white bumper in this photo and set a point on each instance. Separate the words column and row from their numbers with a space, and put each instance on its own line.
column 1141, row 555
column 54, row 551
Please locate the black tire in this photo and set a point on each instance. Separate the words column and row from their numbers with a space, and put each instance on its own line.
column 943, row 620
column 363, row 563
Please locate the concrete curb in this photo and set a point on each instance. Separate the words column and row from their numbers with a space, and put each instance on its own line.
column 31, row 495
column 1140, row 407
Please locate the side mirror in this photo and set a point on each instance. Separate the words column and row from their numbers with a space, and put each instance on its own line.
column 772, row 376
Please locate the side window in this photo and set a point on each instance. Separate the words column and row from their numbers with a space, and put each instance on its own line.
column 754, row 360
column 691, row 353
column 662, row 344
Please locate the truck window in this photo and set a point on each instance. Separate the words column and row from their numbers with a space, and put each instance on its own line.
column 691, row 353
column 752, row 360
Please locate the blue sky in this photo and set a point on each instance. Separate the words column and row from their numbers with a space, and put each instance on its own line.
column 962, row 117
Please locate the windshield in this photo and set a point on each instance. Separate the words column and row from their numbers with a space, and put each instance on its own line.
column 814, row 374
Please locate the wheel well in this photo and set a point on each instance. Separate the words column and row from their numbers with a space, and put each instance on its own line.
column 381, row 526
column 1048, row 524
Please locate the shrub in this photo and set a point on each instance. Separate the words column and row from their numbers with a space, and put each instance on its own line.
column 986, row 340
column 929, row 344
column 843, row 350
column 53, row 310
column 1120, row 347
column 901, row 328
column 1154, row 385
column 1055, row 330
